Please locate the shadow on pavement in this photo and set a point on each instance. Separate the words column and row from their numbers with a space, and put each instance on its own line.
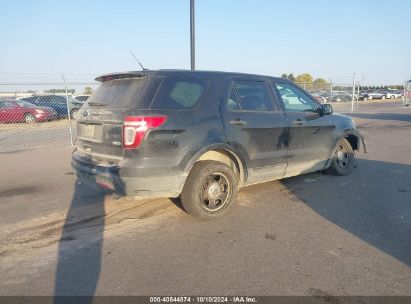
column 373, row 203
column 80, row 276
column 383, row 116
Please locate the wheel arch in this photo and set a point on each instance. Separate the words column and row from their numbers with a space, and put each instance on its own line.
column 354, row 138
column 224, row 154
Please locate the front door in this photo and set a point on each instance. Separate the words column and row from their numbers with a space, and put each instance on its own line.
column 256, row 126
column 310, row 140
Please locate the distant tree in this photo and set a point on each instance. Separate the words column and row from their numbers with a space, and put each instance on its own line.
column 291, row 77
column 284, row 76
column 88, row 91
column 305, row 80
column 320, row 84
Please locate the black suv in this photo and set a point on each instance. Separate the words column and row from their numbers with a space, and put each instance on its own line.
column 202, row 135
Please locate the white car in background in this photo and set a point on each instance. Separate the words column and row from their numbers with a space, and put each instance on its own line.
column 391, row 94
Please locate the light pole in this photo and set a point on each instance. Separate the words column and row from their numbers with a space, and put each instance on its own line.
column 192, row 36
column 331, row 89
column 353, row 93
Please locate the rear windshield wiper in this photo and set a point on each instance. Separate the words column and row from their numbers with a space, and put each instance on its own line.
column 93, row 103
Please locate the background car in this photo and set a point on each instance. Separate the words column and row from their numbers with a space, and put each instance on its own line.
column 81, row 98
column 57, row 102
column 12, row 111
column 341, row 96
column 379, row 94
column 392, row 94
column 319, row 97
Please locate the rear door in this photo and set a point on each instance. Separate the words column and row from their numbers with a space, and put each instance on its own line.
column 256, row 126
column 310, row 140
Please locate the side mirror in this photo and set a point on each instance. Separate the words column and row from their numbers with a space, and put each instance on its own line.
column 326, row 109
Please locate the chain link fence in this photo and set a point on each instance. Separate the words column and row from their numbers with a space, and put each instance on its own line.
column 39, row 110
column 40, row 113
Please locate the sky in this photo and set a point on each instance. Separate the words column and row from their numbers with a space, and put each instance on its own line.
column 329, row 39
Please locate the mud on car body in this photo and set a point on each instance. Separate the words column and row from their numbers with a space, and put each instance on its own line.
column 201, row 135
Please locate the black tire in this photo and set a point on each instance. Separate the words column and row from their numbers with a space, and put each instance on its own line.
column 210, row 190
column 343, row 161
column 29, row 118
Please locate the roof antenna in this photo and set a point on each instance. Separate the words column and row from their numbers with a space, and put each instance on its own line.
column 135, row 57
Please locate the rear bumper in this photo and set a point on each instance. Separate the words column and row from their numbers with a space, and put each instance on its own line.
column 138, row 182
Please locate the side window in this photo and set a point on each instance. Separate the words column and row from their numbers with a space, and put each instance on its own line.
column 180, row 93
column 232, row 100
column 5, row 104
column 44, row 99
column 30, row 99
column 63, row 100
column 295, row 100
column 57, row 99
column 254, row 95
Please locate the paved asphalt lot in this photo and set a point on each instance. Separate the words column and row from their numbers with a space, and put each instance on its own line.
column 309, row 235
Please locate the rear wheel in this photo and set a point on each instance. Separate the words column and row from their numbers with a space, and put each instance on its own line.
column 392, row 97
column 210, row 189
column 383, row 97
column 29, row 118
column 343, row 161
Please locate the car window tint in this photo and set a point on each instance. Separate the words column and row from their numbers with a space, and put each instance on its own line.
column 294, row 99
column 232, row 103
column 30, row 99
column 23, row 103
column 254, row 95
column 58, row 99
column 180, row 94
column 44, row 99
column 5, row 104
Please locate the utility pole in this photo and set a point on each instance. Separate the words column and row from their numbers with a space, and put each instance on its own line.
column 331, row 89
column 68, row 110
column 353, row 93
column 192, row 36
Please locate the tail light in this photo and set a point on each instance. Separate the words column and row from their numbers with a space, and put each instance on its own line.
column 136, row 127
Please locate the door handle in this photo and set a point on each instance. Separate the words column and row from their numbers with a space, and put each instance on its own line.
column 238, row 122
column 299, row 122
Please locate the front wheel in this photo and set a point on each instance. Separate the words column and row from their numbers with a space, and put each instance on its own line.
column 343, row 161
column 29, row 118
column 210, row 190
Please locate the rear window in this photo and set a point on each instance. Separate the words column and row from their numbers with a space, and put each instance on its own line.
column 136, row 93
column 180, row 93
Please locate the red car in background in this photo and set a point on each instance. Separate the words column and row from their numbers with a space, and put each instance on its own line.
column 22, row 111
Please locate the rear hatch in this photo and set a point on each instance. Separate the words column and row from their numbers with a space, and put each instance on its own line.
column 100, row 121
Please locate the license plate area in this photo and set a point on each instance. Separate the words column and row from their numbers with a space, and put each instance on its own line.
column 88, row 131
column 91, row 132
